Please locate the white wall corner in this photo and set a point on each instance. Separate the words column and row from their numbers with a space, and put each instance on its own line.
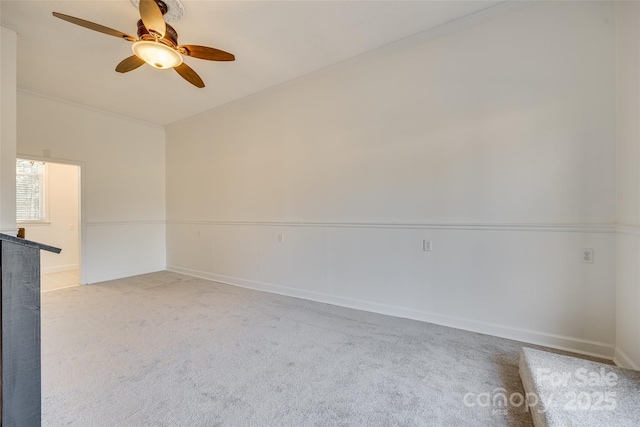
column 624, row 361
column 8, row 129
column 627, row 248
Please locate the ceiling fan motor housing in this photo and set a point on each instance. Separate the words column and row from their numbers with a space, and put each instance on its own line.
column 170, row 37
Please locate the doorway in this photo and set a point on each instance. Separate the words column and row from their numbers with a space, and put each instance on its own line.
column 48, row 208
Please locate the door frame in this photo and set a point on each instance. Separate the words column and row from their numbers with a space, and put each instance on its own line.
column 81, row 206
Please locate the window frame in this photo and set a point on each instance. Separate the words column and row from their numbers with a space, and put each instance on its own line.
column 44, row 197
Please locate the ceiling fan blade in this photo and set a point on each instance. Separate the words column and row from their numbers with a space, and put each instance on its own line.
column 129, row 64
column 204, row 52
column 152, row 17
column 189, row 75
column 93, row 26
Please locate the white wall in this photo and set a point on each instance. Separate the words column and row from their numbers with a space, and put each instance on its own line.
column 628, row 185
column 8, row 51
column 122, row 178
column 61, row 229
column 497, row 142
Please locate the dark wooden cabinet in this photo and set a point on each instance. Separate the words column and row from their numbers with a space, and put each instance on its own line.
column 20, row 316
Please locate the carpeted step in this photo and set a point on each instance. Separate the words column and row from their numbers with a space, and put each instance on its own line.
column 564, row 391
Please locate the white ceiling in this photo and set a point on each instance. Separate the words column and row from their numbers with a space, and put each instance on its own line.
column 274, row 41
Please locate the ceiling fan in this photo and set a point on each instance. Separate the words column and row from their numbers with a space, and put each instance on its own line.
column 157, row 43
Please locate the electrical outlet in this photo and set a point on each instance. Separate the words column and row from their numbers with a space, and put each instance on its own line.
column 280, row 238
column 587, row 255
column 426, row 245
column 199, row 233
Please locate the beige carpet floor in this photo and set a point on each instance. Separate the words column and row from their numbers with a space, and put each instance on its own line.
column 165, row 349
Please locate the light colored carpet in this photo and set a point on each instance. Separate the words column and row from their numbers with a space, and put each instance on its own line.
column 567, row 391
column 165, row 349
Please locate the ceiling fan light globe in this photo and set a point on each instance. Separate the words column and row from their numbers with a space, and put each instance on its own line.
column 157, row 54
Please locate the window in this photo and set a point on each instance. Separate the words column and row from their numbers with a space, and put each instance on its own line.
column 30, row 191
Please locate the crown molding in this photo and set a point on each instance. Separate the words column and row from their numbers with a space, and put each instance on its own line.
column 88, row 108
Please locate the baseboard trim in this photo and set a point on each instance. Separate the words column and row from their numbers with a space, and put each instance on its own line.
column 623, row 360
column 576, row 345
column 60, row 268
